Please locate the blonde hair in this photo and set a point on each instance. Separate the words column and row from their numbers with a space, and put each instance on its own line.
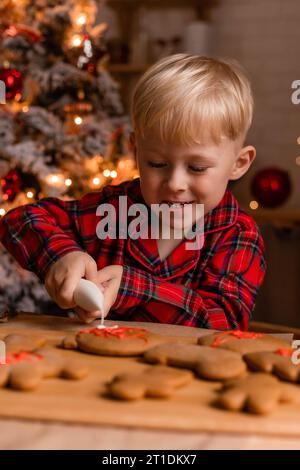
column 184, row 98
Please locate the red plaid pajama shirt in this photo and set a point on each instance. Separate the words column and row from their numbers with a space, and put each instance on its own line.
column 211, row 287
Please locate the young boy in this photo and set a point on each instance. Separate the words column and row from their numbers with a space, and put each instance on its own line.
column 190, row 118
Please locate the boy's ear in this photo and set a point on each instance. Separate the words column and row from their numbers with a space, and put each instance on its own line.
column 243, row 162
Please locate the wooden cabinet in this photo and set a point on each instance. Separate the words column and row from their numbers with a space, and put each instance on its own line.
column 133, row 52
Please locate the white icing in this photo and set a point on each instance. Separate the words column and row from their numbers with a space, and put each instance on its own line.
column 101, row 326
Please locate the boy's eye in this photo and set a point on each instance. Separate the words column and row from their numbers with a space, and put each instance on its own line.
column 198, row 169
column 156, row 165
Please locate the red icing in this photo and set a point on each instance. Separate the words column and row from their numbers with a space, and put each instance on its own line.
column 284, row 352
column 238, row 334
column 22, row 356
column 120, row 333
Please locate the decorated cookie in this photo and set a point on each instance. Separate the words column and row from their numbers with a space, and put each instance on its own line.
column 278, row 362
column 208, row 363
column 25, row 370
column 256, row 393
column 112, row 341
column 156, row 382
column 243, row 342
column 15, row 343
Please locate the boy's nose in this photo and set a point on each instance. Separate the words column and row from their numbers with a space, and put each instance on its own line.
column 177, row 181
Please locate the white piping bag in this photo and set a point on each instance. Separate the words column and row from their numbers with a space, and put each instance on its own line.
column 89, row 297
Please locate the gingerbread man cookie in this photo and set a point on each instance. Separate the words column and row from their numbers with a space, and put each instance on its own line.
column 278, row 363
column 256, row 393
column 112, row 341
column 156, row 382
column 15, row 343
column 208, row 363
column 242, row 342
column 25, row 370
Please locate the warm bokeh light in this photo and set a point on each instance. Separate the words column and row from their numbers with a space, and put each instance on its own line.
column 78, row 120
column 68, row 182
column 298, row 160
column 76, row 40
column 106, row 173
column 96, row 181
column 113, row 174
column 54, row 179
column 81, row 19
column 29, row 194
column 253, row 205
column 25, row 109
column 2, row 212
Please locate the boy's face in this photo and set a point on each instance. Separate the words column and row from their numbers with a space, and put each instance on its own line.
column 189, row 174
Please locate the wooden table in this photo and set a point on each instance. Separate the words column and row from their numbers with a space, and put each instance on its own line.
column 41, row 434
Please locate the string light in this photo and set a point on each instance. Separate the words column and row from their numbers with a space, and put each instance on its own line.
column 76, row 40
column 113, row 174
column 25, row 109
column 2, row 212
column 96, row 181
column 29, row 194
column 68, row 182
column 55, row 180
column 78, row 120
column 81, row 19
column 106, row 173
column 253, row 205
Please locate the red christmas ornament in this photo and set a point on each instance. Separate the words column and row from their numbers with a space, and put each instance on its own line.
column 271, row 187
column 13, row 82
column 11, row 185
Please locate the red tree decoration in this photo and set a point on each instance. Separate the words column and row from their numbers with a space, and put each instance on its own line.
column 13, row 82
column 271, row 186
column 11, row 185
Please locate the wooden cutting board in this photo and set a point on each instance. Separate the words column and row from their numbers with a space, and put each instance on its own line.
column 86, row 402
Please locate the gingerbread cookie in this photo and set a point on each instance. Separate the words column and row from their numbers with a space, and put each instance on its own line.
column 15, row 343
column 112, row 341
column 208, row 363
column 256, row 393
column 242, row 342
column 25, row 370
column 155, row 382
column 278, row 363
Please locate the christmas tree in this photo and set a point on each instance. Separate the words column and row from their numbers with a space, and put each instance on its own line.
column 63, row 132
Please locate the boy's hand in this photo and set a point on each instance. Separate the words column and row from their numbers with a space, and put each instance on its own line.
column 108, row 280
column 64, row 275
